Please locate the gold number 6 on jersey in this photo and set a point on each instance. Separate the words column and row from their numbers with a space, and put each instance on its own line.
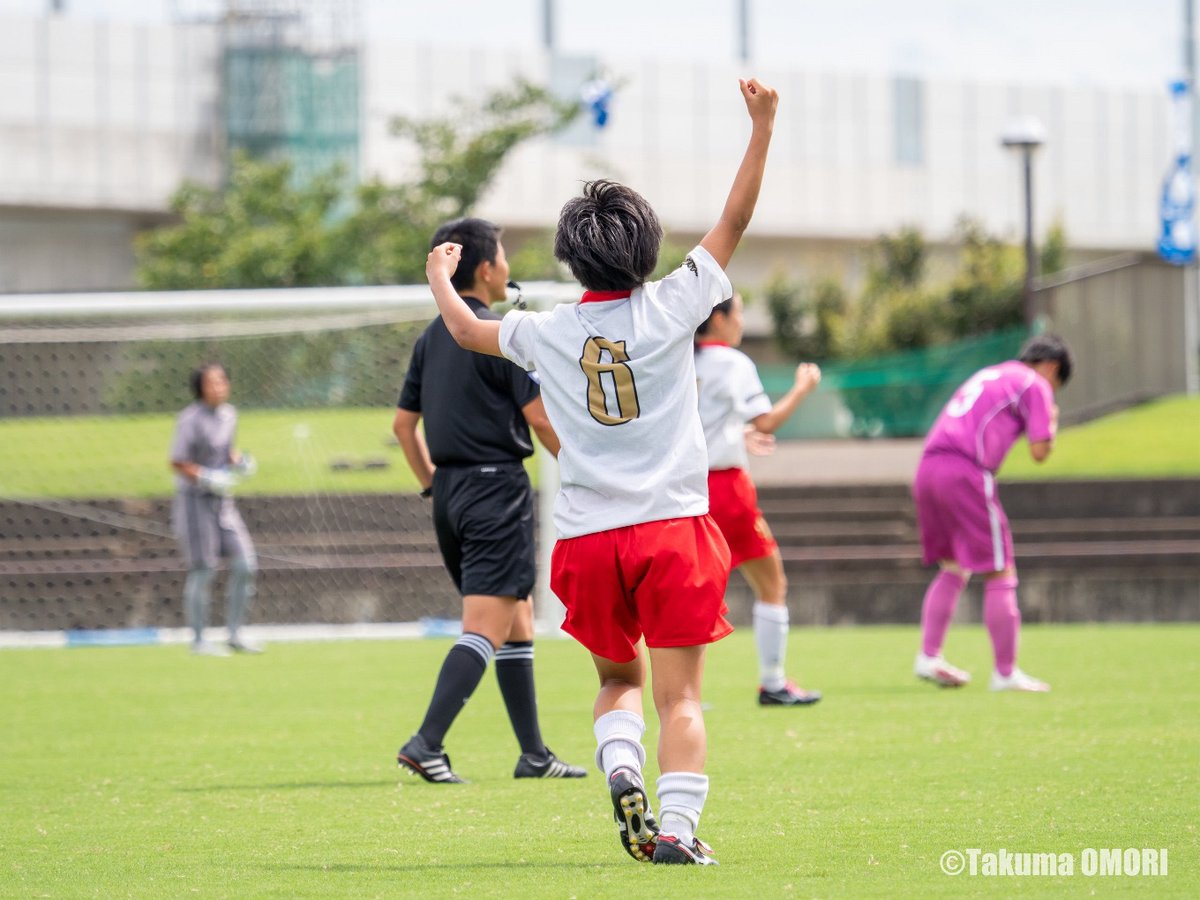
column 595, row 367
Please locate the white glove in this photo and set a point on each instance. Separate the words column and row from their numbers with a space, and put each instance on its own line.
column 220, row 482
column 246, row 466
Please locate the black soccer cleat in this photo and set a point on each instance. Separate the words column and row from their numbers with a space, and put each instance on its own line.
column 529, row 766
column 418, row 758
column 631, row 810
column 671, row 851
column 788, row 695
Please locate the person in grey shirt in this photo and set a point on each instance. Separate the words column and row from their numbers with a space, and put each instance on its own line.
column 205, row 520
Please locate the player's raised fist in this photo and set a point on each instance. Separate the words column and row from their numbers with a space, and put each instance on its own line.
column 443, row 260
column 808, row 376
column 761, row 100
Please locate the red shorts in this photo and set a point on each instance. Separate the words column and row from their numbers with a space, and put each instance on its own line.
column 665, row 580
column 733, row 504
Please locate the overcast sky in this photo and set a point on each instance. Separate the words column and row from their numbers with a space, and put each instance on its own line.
column 1133, row 43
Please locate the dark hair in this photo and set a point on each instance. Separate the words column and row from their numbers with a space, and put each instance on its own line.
column 724, row 307
column 480, row 241
column 1049, row 348
column 609, row 237
column 197, row 377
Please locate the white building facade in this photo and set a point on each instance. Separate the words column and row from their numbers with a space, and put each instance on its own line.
column 101, row 121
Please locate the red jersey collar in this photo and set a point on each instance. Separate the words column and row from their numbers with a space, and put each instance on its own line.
column 600, row 296
column 712, row 343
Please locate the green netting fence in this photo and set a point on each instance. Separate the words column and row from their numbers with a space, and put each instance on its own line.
column 898, row 395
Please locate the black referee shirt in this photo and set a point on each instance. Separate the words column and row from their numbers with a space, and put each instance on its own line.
column 471, row 402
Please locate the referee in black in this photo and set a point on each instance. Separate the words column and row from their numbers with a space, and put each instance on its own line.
column 478, row 411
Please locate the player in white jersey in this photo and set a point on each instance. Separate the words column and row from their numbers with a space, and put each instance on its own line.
column 731, row 395
column 637, row 553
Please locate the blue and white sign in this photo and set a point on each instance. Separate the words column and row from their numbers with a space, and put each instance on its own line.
column 596, row 96
column 1177, row 242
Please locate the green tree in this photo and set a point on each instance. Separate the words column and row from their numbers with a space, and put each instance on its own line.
column 900, row 260
column 458, row 155
column 534, row 260
column 259, row 231
column 263, row 229
column 986, row 294
column 807, row 317
column 1053, row 255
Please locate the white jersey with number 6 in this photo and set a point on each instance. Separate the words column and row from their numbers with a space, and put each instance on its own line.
column 619, row 384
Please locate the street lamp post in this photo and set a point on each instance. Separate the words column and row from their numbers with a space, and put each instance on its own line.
column 1026, row 135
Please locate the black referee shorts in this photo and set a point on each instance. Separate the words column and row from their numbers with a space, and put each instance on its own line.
column 483, row 516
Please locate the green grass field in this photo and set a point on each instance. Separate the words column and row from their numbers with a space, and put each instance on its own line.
column 125, row 456
column 1155, row 440
column 145, row 772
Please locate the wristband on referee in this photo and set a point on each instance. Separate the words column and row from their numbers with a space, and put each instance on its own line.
column 427, row 492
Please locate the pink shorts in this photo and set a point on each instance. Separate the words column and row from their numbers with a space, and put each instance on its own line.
column 665, row 580
column 733, row 504
column 960, row 516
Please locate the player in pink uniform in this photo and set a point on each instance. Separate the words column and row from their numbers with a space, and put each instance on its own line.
column 638, row 555
column 963, row 526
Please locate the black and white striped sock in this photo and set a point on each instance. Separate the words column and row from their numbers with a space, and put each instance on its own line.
column 514, row 674
column 464, row 667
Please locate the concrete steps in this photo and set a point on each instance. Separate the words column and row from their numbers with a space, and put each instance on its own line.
column 1125, row 550
column 1085, row 551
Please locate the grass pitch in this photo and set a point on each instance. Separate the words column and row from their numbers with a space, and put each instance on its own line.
column 126, row 456
column 1159, row 439
column 146, row 772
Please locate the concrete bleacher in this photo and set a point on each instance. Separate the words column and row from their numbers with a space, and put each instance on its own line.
column 114, row 564
column 1087, row 551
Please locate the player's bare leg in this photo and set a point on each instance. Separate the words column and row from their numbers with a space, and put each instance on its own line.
column 619, row 727
column 682, row 752
column 937, row 610
column 1003, row 621
column 766, row 578
column 492, row 617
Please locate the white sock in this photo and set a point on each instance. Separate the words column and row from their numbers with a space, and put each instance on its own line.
column 681, row 797
column 619, row 741
column 770, row 634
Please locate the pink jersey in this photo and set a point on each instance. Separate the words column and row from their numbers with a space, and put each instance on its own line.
column 990, row 411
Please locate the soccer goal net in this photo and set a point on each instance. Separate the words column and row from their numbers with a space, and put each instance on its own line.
column 90, row 387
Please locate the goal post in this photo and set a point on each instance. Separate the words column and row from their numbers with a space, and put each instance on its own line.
column 90, row 385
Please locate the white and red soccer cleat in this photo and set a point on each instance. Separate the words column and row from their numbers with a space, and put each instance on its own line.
column 1018, row 681
column 937, row 670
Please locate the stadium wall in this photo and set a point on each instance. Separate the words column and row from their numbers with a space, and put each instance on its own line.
column 1087, row 552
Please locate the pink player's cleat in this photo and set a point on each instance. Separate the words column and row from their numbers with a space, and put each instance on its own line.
column 937, row 670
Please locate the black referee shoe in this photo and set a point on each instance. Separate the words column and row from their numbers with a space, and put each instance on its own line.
column 529, row 766
column 418, row 758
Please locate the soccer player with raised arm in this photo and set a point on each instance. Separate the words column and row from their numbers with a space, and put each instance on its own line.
column 731, row 395
column 637, row 553
column 963, row 526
